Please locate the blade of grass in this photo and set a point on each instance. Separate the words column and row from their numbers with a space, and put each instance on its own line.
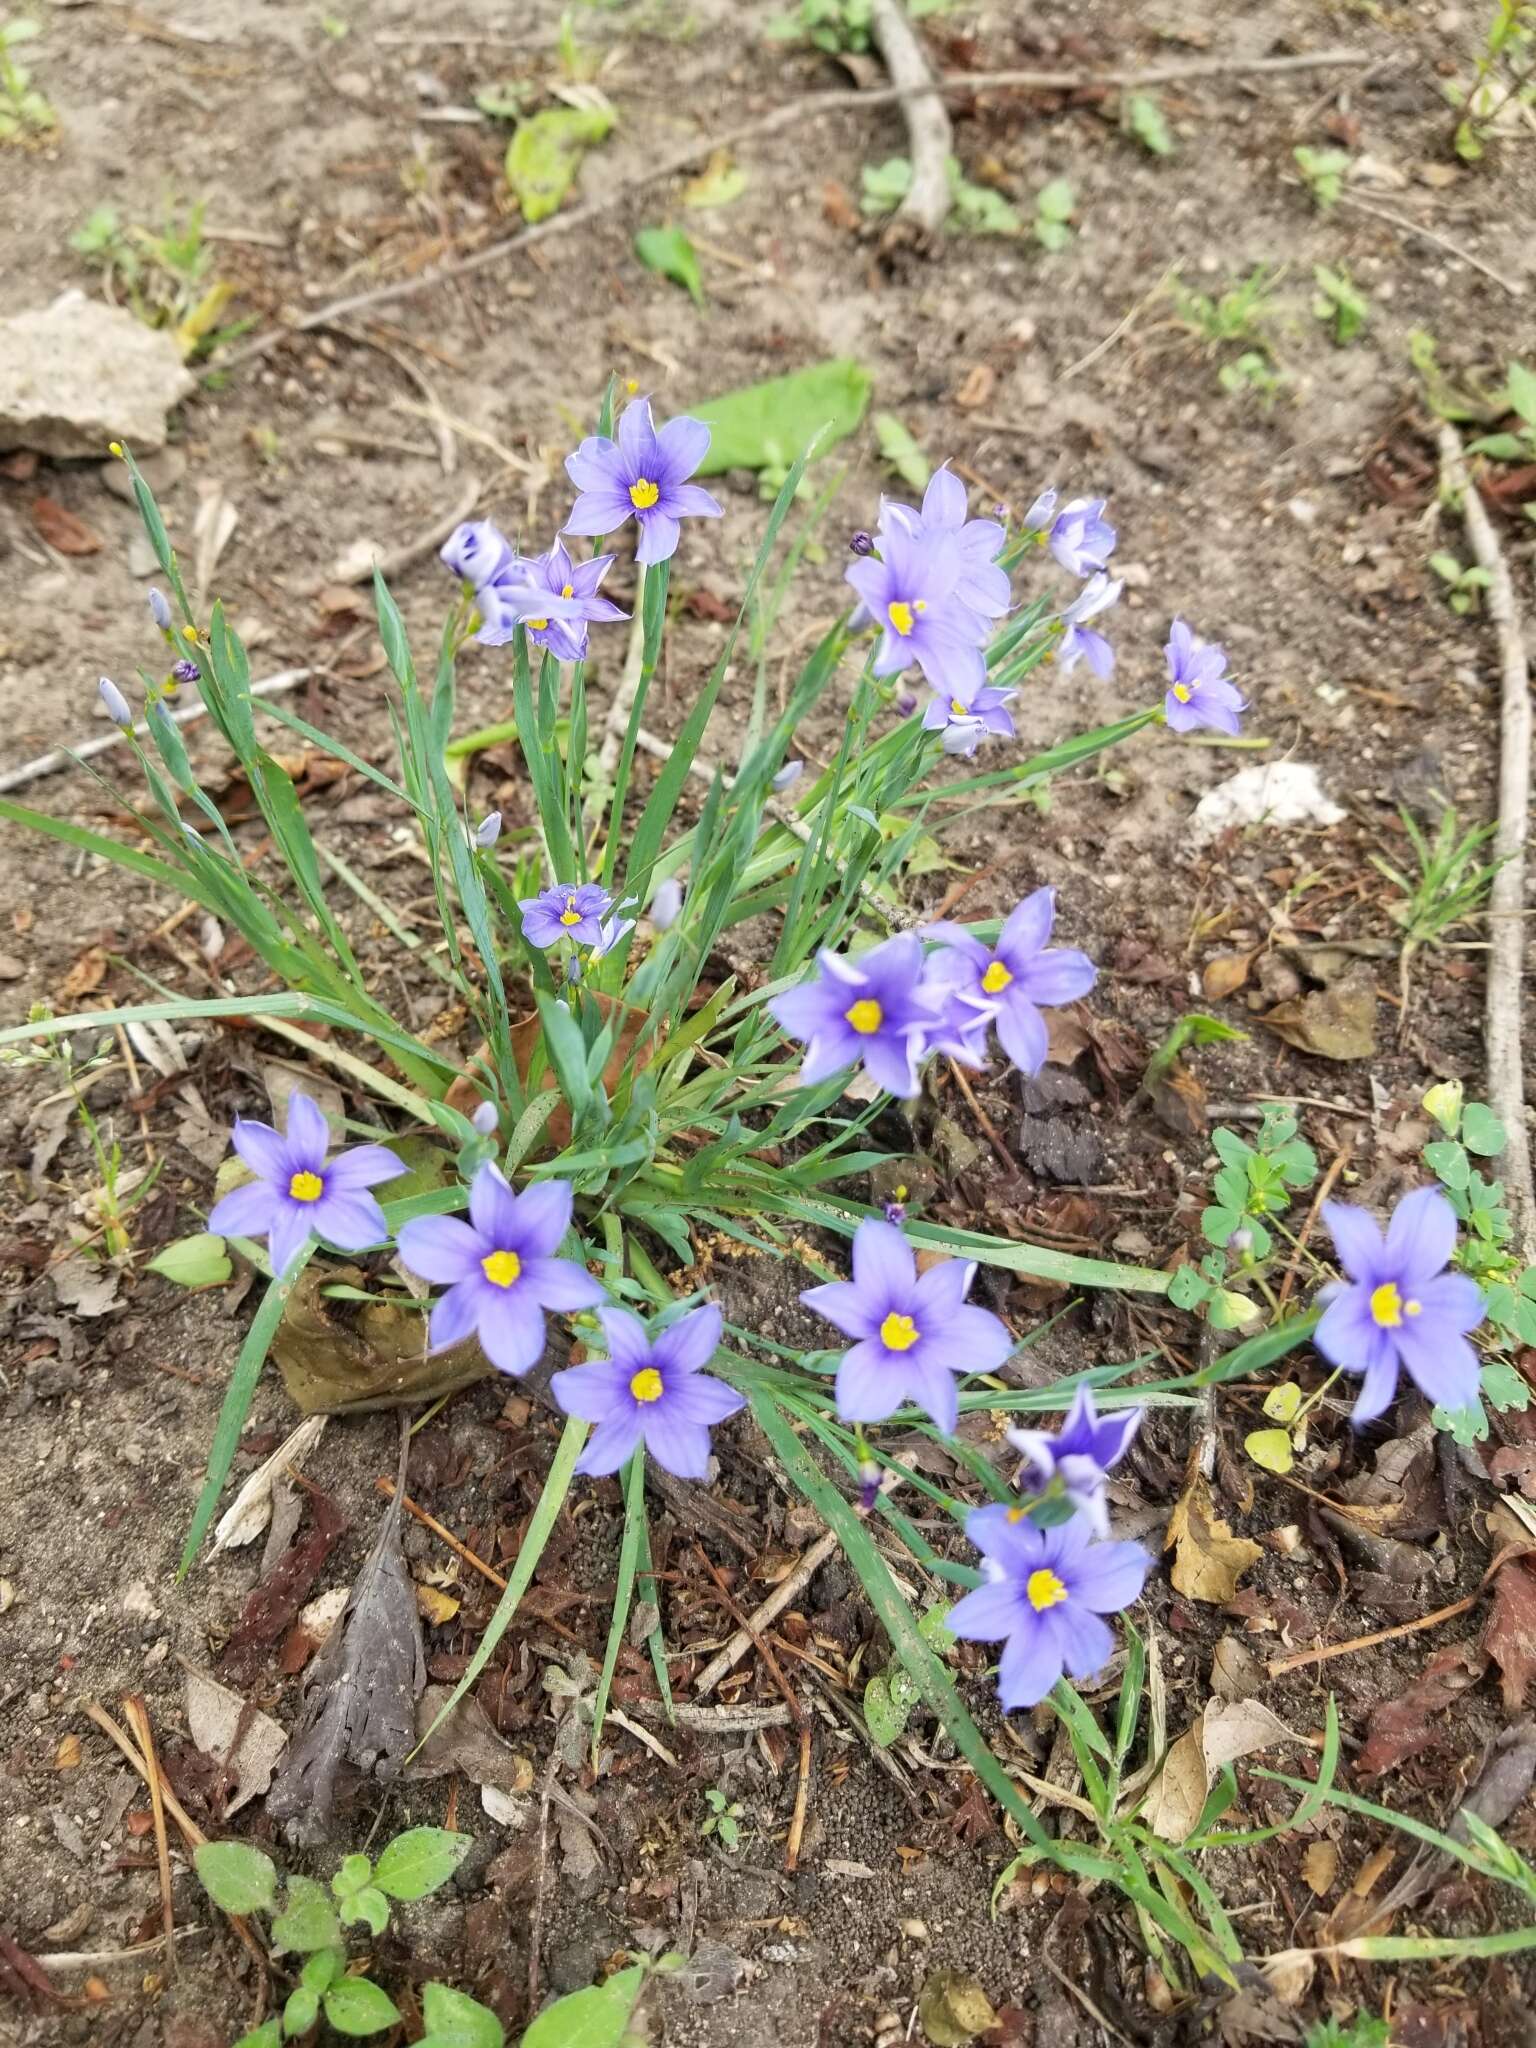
column 629, row 1555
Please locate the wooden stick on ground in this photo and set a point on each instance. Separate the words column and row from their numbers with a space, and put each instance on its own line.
column 1506, row 900
column 137, row 1716
column 787, row 1590
column 929, row 136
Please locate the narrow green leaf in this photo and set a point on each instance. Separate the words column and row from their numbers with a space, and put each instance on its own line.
column 629, row 1553
column 670, row 254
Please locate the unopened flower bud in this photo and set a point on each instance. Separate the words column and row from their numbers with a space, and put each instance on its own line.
column 485, row 1119
column 114, row 703
column 160, row 610
column 667, row 904
column 488, row 831
column 186, row 672
column 1241, row 1240
column 869, row 1486
column 788, row 775
column 861, row 543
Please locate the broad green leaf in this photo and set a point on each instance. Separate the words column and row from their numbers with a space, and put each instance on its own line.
column 369, row 1905
column 901, row 451
column 418, row 1861
column 268, row 2035
column 1055, row 201
column 237, row 1878
column 1503, row 1387
column 595, row 2018
column 887, row 1709
column 1521, row 392
column 1481, row 1131
column 1231, row 1311
column 767, row 425
column 301, row 2011
column 669, row 253
column 352, row 1873
column 1270, row 1448
column 323, row 1968
column 307, row 1921
column 455, row 2020
column 1467, row 1425
column 354, row 2006
column 545, row 154
column 197, row 1261
column 1448, row 1162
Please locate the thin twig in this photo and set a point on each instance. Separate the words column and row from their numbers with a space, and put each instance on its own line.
column 802, row 1800
column 810, row 108
column 137, row 1714
column 411, row 551
column 1506, row 899
column 1401, row 221
column 1325, row 1189
column 759, row 1642
column 460, row 1550
column 61, row 1962
column 436, row 418
column 540, row 1880
column 782, row 1594
column 1009, row 1163
column 930, row 139
column 1298, row 1659
column 1103, row 347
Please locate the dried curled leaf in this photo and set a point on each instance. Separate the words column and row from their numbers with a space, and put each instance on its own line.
column 1208, row 1559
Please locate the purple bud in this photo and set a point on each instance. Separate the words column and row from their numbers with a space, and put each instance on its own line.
column 895, row 1212
column 485, row 1119
column 788, row 776
column 573, row 970
column 861, row 543
column 869, row 1486
column 906, row 704
column 114, row 703
column 160, row 610
column 186, row 672
column 667, row 904
column 488, row 831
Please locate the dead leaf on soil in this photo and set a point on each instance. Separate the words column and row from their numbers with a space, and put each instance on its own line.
column 435, row 1606
column 1236, row 1674
column 87, row 1290
column 1400, row 1728
column 1320, row 1866
column 1225, row 975
column 1335, row 1023
column 466, row 1742
column 67, row 1756
column 247, row 1742
column 979, row 383
column 85, row 977
column 953, row 2009
column 251, row 1509
column 1510, row 1637
column 62, row 529
column 337, row 1358
column 1209, row 1560
column 1224, row 1731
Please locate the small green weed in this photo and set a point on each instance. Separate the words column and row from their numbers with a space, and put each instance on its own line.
column 978, row 210
column 1240, row 315
column 723, row 1820
column 1464, row 586
column 26, row 114
column 163, row 274
column 1503, row 81
column 1055, row 205
column 1142, row 118
column 1323, row 172
column 1339, row 303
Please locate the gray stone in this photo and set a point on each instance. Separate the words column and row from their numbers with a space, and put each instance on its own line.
column 77, row 375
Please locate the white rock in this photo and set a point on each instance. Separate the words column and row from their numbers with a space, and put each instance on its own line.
column 1278, row 793
column 77, row 375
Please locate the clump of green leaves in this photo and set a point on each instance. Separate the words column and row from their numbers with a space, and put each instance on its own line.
column 978, row 210
column 1253, row 375
column 1464, row 584
column 1363, row 2031
column 723, row 1820
column 25, row 113
column 1339, row 303
column 1238, row 317
column 1055, row 204
column 1516, row 443
column 309, row 1922
column 545, row 154
column 1142, row 118
column 1503, row 80
column 1324, row 172
column 890, row 1695
column 1256, row 1182
column 1450, row 883
column 830, row 25
column 164, row 274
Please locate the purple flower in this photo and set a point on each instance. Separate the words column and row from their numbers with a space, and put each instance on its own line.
column 1399, row 1306
column 160, row 609
column 965, row 717
column 1079, row 1455
column 982, row 586
column 667, row 904
column 488, row 831
column 1199, row 692
column 913, row 1334
column 1080, row 537
column 552, row 598
column 567, row 911
column 1012, row 981
column 651, row 1390
column 642, row 476
column 499, row 1268
column 909, row 592
column 1080, row 642
column 186, row 671
column 614, row 928
column 478, row 552
column 298, row 1193
column 786, row 777
column 1045, row 1592
column 114, row 703
column 874, row 1009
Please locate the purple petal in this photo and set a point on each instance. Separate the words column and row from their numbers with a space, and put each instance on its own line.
column 245, row 1211
column 309, row 1135
column 1017, row 1545
column 1441, row 1367
column 594, row 1392
column 846, row 1306
column 1027, row 929
column 454, row 1316
column 363, row 1166
column 681, row 445
column 689, row 1345
column 1023, row 1034
column 1086, row 1644
column 867, row 1391
column 690, row 501
column 560, row 1284
column 1356, row 1239
column 699, row 1397
column 682, row 1447
column 628, row 1345
column 1376, row 1391
column 599, row 511
column 595, row 466
column 543, row 1216
column 1030, row 1665
column 351, row 1220
column 826, row 1056
column 287, row 1233
column 955, row 940
column 884, row 1270
column 659, row 535
column 974, row 1340
column 511, row 1328
column 891, row 1063
column 1451, row 1300
column 940, row 1291
column 1062, row 975
column 1108, row 1576
column 611, row 1444
column 264, row 1151
column 944, row 501
column 493, row 1210
column 986, row 1615
column 440, row 1248
column 930, row 1386
column 1347, row 1334
column 1421, row 1237
column 637, row 441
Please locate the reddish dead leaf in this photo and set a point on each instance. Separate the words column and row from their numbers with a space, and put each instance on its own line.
column 1510, row 1637
column 21, row 467
column 837, row 208
column 61, row 529
column 1400, row 1728
column 272, row 1606
column 85, row 977
column 972, row 1819
column 703, row 604
column 1517, row 1462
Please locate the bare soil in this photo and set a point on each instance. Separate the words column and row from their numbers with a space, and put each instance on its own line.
column 1298, row 535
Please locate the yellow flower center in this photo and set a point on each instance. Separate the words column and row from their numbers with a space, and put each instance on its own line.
column 1044, row 1590
column 1388, row 1307
column 570, row 914
column 501, row 1268
column 537, row 625
column 900, row 616
column 866, row 1016
column 898, row 1333
column 306, row 1187
column 568, row 590
column 1017, row 1515
column 643, row 494
column 1182, row 692
column 646, row 1384
column 996, row 978
column 960, row 710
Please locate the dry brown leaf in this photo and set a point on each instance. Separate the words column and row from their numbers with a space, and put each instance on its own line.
column 1236, row 1674
column 1510, row 1637
column 435, row 1606
column 242, row 1738
column 1224, row 1731
column 1320, row 1866
column 85, row 977
column 1334, row 1023
column 67, row 1756
column 1225, row 975
column 1401, row 1727
column 1208, row 1559
column 980, row 382
column 62, row 530
column 1289, row 1973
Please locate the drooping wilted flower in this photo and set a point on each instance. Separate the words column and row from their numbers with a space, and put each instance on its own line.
column 1079, row 1456
column 488, row 831
column 1400, row 1309
column 1079, row 642
column 1080, row 537
column 1199, row 690
column 651, row 1389
column 913, row 1332
column 567, row 911
column 159, row 609
column 1015, row 979
column 982, row 584
column 642, row 475
column 499, row 1268
column 787, row 777
column 298, row 1192
column 478, row 551
column 552, row 598
column 874, row 1010
column 1046, row 1590
column 667, row 904
column 908, row 589
column 614, row 927
column 114, row 703
column 966, row 717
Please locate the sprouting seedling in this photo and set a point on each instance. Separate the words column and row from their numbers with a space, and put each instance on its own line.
column 977, row 209
column 1324, row 172
column 1339, row 303
column 1143, row 118
column 1252, row 374
column 1055, row 205
column 1464, row 585
column 724, row 1818
column 1517, row 442
column 25, row 113
column 1255, row 1184
column 1503, row 79
column 831, row 25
